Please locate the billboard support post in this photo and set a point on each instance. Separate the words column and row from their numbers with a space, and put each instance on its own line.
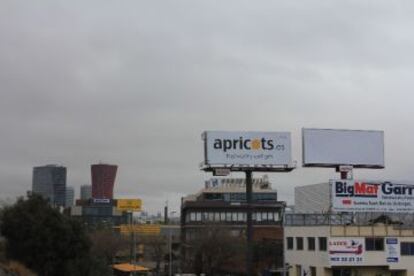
column 249, row 251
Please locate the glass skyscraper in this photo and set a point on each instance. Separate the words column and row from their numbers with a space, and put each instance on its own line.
column 50, row 182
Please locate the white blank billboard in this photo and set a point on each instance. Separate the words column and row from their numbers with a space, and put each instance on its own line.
column 334, row 147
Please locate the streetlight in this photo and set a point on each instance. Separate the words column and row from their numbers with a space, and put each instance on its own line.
column 170, row 247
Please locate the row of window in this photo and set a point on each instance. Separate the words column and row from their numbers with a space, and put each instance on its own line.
column 231, row 216
column 371, row 244
column 322, row 243
column 240, row 197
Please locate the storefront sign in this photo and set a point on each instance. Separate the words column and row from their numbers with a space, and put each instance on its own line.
column 393, row 250
column 346, row 251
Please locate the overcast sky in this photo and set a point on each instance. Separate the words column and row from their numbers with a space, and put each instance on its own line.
column 134, row 83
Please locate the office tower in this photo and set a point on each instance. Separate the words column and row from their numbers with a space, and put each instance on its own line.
column 103, row 180
column 50, row 182
column 86, row 192
column 70, row 196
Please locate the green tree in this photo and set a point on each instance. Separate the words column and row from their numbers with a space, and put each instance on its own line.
column 44, row 240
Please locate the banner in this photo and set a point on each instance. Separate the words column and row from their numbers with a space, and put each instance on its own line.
column 346, row 251
column 371, row 196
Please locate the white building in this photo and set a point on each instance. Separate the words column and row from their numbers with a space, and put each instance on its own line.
column 332, row 245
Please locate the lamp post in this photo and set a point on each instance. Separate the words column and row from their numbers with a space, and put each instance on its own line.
column 170, row 247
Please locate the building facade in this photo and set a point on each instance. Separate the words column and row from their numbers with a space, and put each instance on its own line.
column 99, row 213
column 103, row 180
column 70, row 196
column 220, row 211
column 50, row 182
column 313, row 198
column 86, row 192
column 337, row 245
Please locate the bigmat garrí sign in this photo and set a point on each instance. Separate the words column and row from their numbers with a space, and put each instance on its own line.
column 250, row 148
column 371, row 196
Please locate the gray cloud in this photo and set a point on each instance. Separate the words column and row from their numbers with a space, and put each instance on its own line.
column 135, row 83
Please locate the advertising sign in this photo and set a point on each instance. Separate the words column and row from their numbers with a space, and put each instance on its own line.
column 129, row 204
column 346, row 251
column 392, row 249
column 334, row 147
column 145, row 229
column 247, row 149
column 371, row 196
column 101, row 200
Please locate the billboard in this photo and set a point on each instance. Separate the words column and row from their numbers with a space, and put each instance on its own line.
column 392, row 250
column 346, row 251
column 334, row 147
column 236, row 150
column 144, row 229
column 129, row 204
column 371, row 196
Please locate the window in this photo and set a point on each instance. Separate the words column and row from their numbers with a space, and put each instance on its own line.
column 276, row 216
column 244, row 216
column 374, row 244
column 222, row 216
column 407, row 248
column 322, row 243
column 311, row 243
column 198, row 216
column 299, row 243
column 289, row 241
column 270, row 216
column 341, row 272
column 192, row 216
column 228, row 216
column 217, row 216
column 233, row 216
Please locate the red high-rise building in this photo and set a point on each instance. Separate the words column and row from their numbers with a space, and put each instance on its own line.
column 103, row 180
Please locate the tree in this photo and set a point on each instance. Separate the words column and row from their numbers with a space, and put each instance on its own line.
column 106, row 244
column 215, row 250
column 44, row 240
column 155, row 247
